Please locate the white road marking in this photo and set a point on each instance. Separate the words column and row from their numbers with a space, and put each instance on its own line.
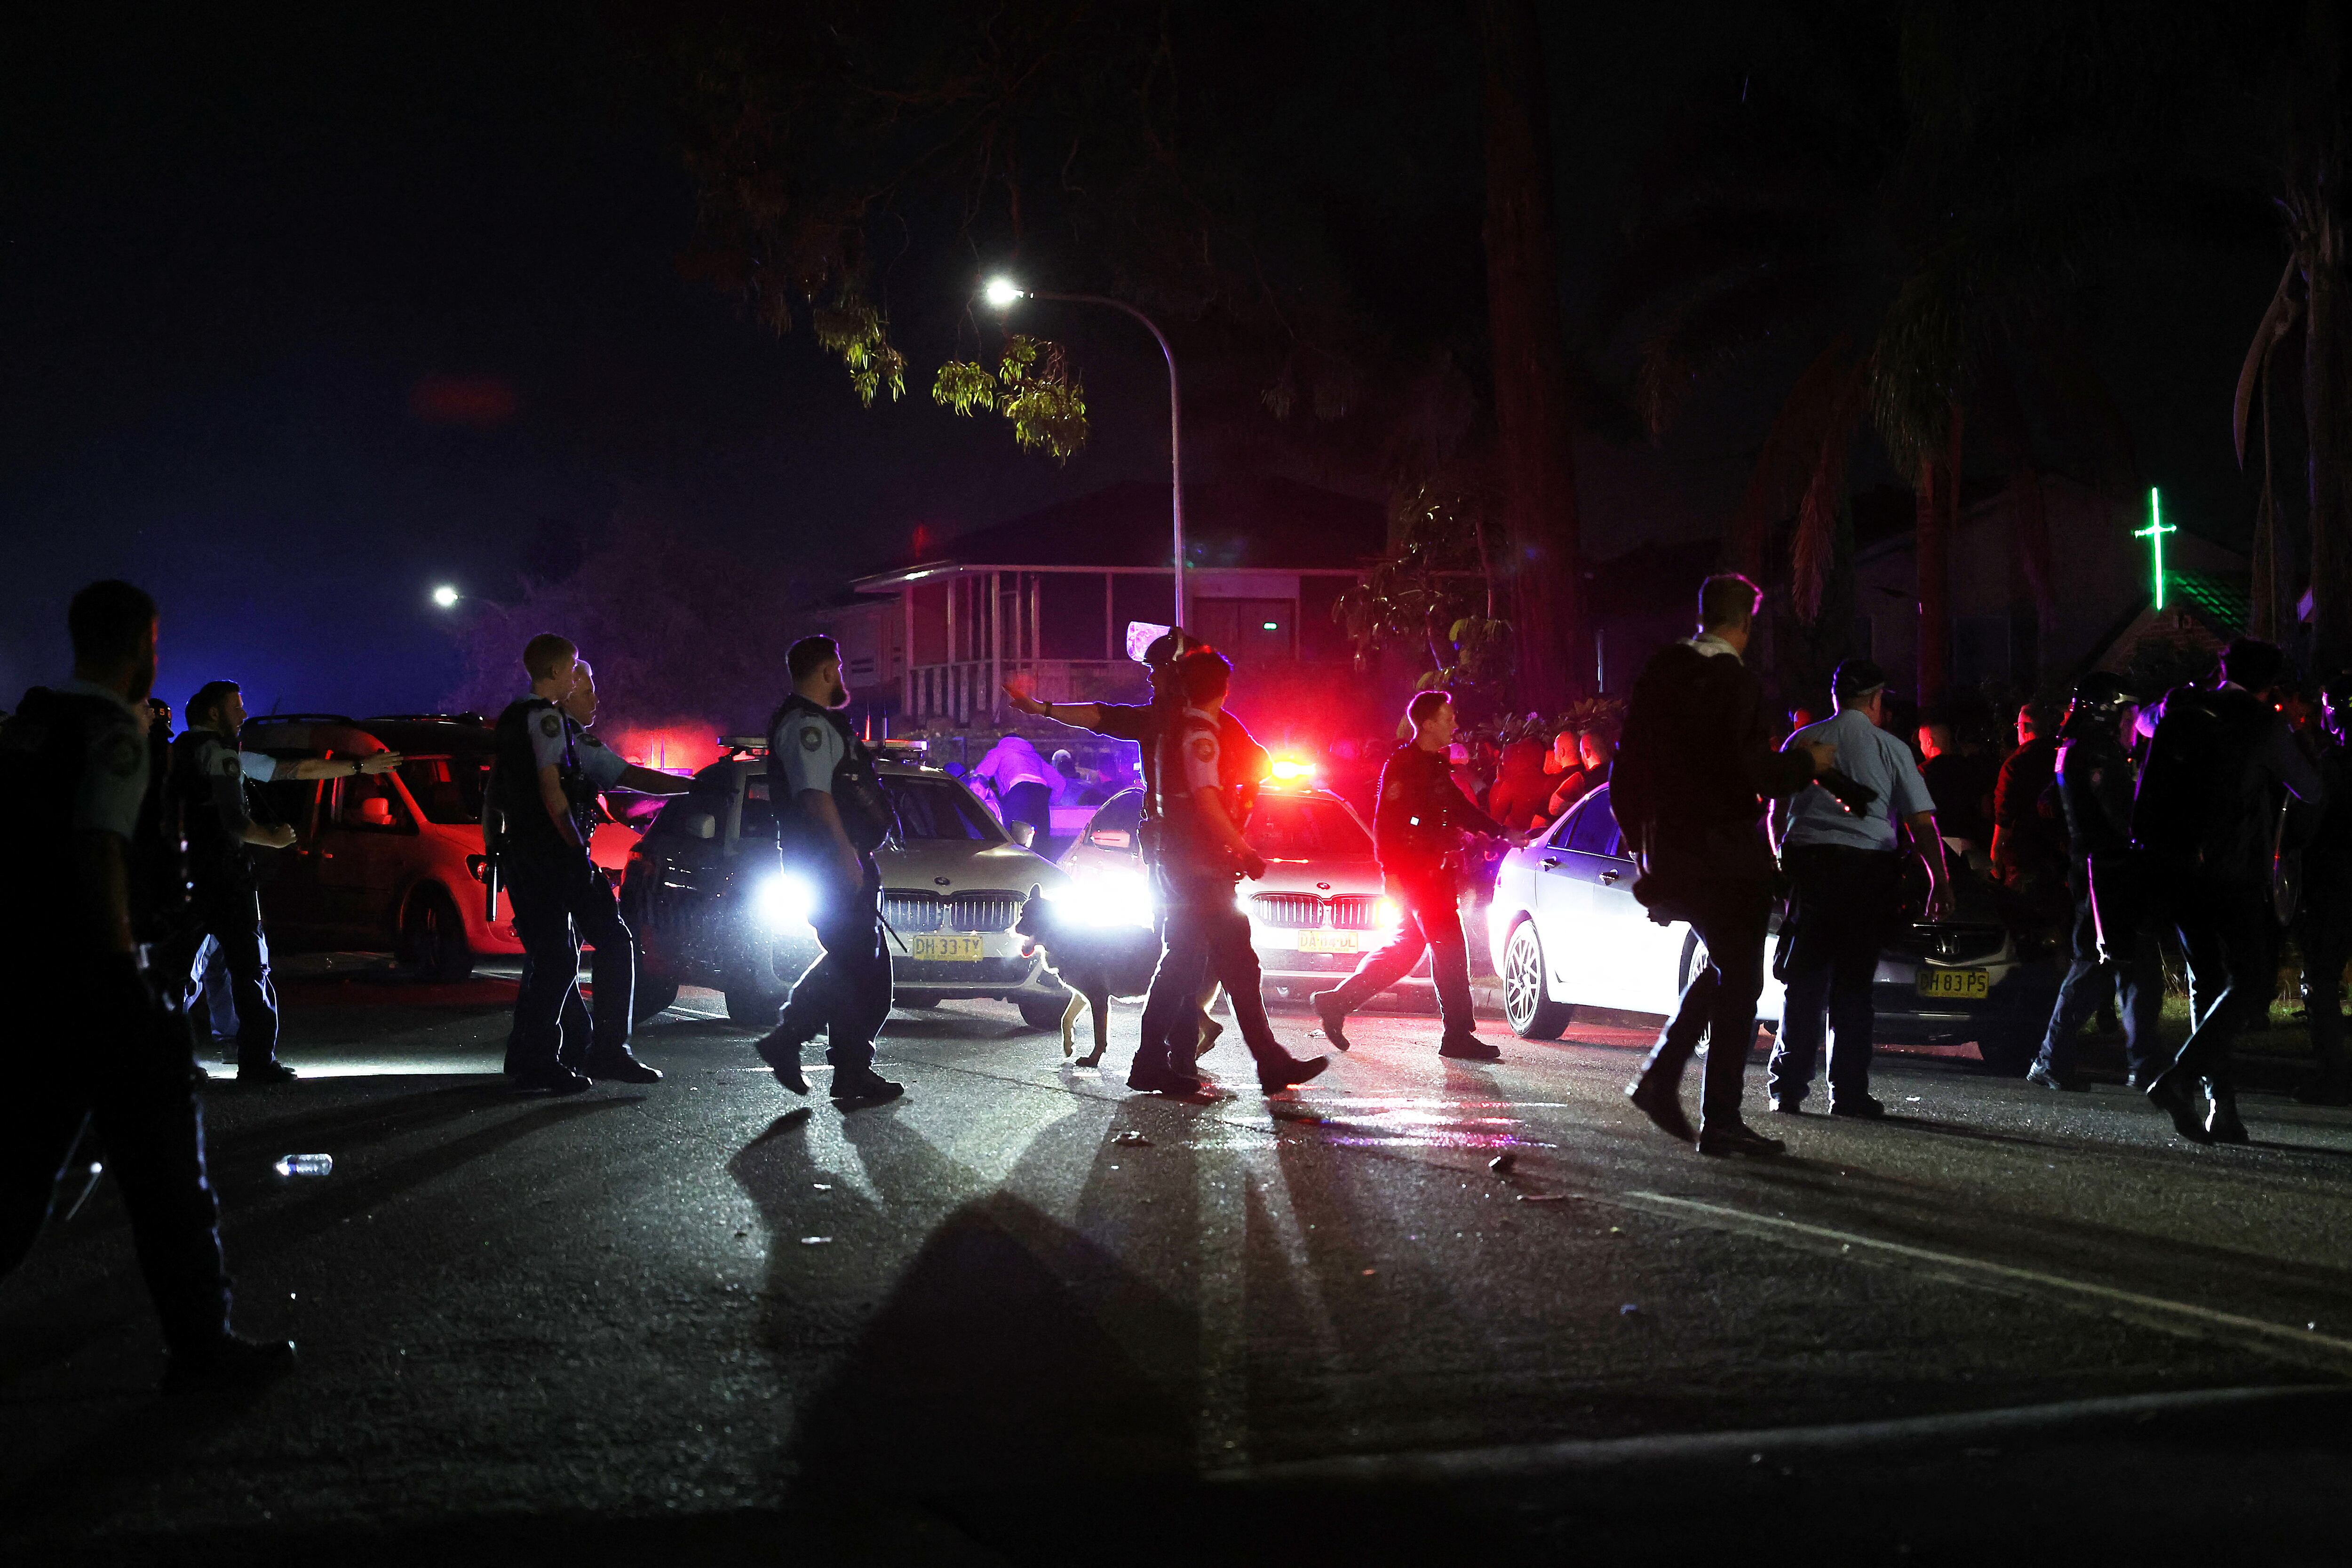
column 2298, row 1344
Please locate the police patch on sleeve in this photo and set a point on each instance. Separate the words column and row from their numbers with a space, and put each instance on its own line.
column 549, row 725
column 1204, row 749
column 810, row 738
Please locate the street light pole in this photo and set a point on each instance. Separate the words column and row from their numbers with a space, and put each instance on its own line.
column 1001, row 293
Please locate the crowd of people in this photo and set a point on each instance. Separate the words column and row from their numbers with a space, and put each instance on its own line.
column 2214, row 817
column 2202, row 818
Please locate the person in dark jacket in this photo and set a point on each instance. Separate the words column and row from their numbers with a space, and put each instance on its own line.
column 2202, row 820
column 1692, row 774
column 1417, row 830
column 2323, row 922
column 2113, row 937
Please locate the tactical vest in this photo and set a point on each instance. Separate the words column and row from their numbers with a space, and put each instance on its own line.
column 43, row 747
column 524, row 826
column 218, row 859
column 1186, row 846
column 867, row 817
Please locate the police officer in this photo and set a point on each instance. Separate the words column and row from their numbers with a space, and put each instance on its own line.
column 2323, row 922
column 831, row 816
column 540, row 795
column 599, row 768
column 2113, row 938
column 209, row 777
column 1847, row 878
column 2201, row 820
column 1201, row 855
column 1417, row 828
column 98, row 868
column 1241, row 765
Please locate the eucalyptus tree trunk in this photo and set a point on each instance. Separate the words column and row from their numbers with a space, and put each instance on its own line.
column 1534, row 430
column 2327, row 417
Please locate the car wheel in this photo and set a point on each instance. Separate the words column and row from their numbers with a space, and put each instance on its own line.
column 1043, row 1014
column 433, row 944
column 654, row 995
column 1528, row 1006
column 750, row 1007
column 2009, row 1048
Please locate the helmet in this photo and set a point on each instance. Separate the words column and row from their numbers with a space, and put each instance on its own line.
column 1169, row 646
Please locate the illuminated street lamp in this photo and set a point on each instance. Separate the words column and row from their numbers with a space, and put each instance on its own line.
column 445, row 596
column 1001, row 293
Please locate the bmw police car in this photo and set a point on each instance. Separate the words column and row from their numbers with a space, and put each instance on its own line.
column 1316, row 912
column 711, row 906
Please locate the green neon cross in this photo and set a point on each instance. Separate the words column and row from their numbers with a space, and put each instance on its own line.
column 2154, row 533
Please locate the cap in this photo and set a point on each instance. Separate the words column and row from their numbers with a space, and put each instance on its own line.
column 1167, row 646
column 1857, row 678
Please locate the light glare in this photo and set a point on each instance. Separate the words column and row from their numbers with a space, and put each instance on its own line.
column 787, row 902
column 1000, row 292
column 445, row 596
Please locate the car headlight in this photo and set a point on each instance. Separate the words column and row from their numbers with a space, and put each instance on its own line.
column 1115, row 899
column 786, row 902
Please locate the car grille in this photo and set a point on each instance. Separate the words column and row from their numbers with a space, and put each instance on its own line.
column 1355, row 912
column 910, row 911
column 1288, row 912
column 984, row 912
column 1950, row 944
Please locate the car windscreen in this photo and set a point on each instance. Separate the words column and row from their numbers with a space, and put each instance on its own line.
column 1284, row 827
column 446, row 789
column 936, row 808
column 1593, row 829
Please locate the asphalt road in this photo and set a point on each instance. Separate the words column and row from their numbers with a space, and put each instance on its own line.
column 1026, row 1315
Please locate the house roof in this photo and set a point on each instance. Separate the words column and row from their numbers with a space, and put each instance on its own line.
column 2225, row 602
column 1271, row 523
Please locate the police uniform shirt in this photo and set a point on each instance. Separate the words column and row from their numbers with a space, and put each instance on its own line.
column 807, row 749
column 1872, row 758
column 600, row 764
column 547, row 743
column 113, row 780
column 222, row 766
column 259, row 766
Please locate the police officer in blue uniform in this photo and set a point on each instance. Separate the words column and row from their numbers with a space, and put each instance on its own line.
column 102, row 869
column 209, row 779
column 831, row 816
column 1201, row 856
column 538, row 791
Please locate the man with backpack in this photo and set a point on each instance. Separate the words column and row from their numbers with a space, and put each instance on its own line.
column 2202, row 820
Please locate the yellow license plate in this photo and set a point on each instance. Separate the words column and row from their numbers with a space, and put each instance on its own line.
column 1955, row 985
column 944, row 948
column 1329, row 941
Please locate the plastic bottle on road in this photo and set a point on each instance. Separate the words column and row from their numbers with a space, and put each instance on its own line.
column 305, row 1164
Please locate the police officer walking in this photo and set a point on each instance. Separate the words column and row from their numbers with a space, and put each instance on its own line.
column 1167, row 1067
column 208, row 780
column 1848, row 885
column 2112, row 939
column 2201, row 819
column 539, row 792
column 831, row 816
column 1417, row 828
column 1201, row 856
column 102, row 871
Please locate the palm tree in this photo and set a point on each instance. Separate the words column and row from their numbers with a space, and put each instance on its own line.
column 1918, row 215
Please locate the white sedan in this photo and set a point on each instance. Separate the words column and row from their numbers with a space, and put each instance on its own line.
column 1568, row 932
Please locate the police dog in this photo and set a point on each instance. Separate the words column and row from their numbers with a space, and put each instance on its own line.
column 1097, row 962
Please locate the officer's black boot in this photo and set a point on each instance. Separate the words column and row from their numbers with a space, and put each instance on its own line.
column 781, row 1051
column 2222, row 1123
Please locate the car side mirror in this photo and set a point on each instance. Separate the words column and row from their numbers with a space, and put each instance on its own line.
column 701, row 825
column 1024, row 833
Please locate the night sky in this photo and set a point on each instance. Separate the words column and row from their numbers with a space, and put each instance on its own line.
column 313, row 308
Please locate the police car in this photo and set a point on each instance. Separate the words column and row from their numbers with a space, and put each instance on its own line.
column 1569, row 932
column 710, row 905
column 1316, row 912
